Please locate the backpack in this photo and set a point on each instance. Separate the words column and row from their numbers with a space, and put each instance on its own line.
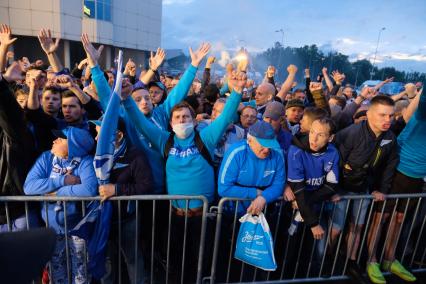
column 198, row 143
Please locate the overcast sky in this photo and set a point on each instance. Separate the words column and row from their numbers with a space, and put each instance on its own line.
column 350, row 27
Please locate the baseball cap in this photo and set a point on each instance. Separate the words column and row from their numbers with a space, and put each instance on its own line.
column 294, row 103
column 120, row 125
column 274, row 110
column 264, row 134
column 156, row 84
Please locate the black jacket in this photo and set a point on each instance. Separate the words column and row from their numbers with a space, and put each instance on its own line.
column 132, row 176
column 357, row 144
column 17, row 151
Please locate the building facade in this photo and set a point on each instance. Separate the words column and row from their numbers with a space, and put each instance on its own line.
column 131, row 25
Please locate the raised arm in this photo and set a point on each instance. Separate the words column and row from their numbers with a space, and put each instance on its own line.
column 65, row 82
column 101, row 84
column 154, row 63
column 180, row 91
column 49, row 47
column 5, row 42
column 421, row 109
column 327, row 79
column 381, row 84
column 206, row 74
column 155, row 135
column 11, row 115
column 212, row 133
column 318, row 96
column 288, row 83
column 33, row 99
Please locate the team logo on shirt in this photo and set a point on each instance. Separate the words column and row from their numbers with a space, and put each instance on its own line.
column 183, row 153
column 267, row 173
column 328, row 167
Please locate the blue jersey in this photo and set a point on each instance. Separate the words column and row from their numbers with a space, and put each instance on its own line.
column 314, row 169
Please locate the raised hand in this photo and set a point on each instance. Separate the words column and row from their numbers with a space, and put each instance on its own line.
column 270, row 72
column 307, row 73
column 388, row 80
column 315, row 86
column 13, row 73
column 156, row 61
column 130, row 68
column 45, row 37
column 237, row 81
column 324, row 70
column 338, row 77
column 198, row 55
column 92, row 53
column 292, row 69
column 64, row 82
column 5, row 36
column 210, row 61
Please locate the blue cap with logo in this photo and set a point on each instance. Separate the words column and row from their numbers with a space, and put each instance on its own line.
column 264, row 134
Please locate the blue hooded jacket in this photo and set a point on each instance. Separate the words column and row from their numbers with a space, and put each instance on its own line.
column 44, row 178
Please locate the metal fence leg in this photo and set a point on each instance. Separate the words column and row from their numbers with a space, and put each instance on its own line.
column 184, row 242
column 276, row 232
column 168, row 243
column 418, row 239
column 119, row 241
column 299, row 253
column 67, row 252
column 152, row 241
column 202, row 242
column 411, row 230
column 136, row 241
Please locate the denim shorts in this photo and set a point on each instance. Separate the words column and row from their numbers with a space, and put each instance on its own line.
column 339, row 217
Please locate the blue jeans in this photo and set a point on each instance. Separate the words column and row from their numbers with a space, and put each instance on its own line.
column 339, row 218
column 77, row 255
column 20, row 223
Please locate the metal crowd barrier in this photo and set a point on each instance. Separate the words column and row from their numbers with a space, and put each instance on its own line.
column 177, row 249
column 148, row 210
column 297, row 256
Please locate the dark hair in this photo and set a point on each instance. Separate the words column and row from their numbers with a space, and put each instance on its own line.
column 89, row 79
column 299, row 91
column 40, row 68
column 341, row 101
column 382, row 100
column 70, row 94
column 21, row 92
column 180, row 106
column 211, row 93
column 246, row 107
column 331, row 125
column 52, row 89
column 193, row 101
column 315, row 113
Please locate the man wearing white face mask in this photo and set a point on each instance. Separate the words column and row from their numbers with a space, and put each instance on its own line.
column 187, row 169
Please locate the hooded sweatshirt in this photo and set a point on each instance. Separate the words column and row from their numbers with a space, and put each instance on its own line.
column 48, row 176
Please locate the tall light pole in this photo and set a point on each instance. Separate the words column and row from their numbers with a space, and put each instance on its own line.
column 282, row 46
column 375, row 53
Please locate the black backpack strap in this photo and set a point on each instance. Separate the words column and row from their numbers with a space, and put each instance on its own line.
column 203, row 149
column 169, row 145
column 198, row 143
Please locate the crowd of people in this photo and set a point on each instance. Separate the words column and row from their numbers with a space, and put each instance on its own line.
column 181, row 135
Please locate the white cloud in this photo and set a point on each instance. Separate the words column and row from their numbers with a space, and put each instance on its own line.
column 178, row 2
